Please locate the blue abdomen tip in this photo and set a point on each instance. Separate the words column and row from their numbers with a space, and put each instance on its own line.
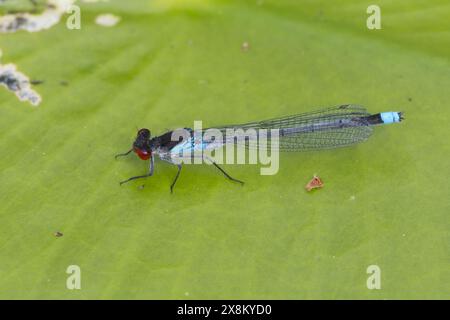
column 390, row 117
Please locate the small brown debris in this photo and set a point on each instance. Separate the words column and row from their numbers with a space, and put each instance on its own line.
column 315, row 183
column 58, row 234
column 36, row 82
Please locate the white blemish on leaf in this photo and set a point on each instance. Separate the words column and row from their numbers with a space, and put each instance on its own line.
column 107, row 20
column 245, row 46
column 35, row 22
column 18, row 83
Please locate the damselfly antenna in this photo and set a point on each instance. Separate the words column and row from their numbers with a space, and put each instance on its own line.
column 123, row 154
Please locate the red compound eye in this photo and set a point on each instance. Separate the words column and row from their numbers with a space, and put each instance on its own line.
column 144, row 155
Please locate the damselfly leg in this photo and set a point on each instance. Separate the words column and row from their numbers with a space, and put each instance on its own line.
column 149, row 174
column 215, row 164
column 176, row 178
column 226, row 174
column 223, row 171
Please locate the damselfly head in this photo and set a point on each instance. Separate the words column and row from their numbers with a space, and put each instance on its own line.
column 141, row 145
column 143, row 133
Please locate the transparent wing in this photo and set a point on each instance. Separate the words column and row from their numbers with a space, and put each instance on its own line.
column 329, row 139
column 324, row 129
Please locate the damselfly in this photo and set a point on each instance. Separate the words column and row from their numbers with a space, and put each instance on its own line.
column 324, row 129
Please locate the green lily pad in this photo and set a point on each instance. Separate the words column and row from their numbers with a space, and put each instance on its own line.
column 165, row 64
